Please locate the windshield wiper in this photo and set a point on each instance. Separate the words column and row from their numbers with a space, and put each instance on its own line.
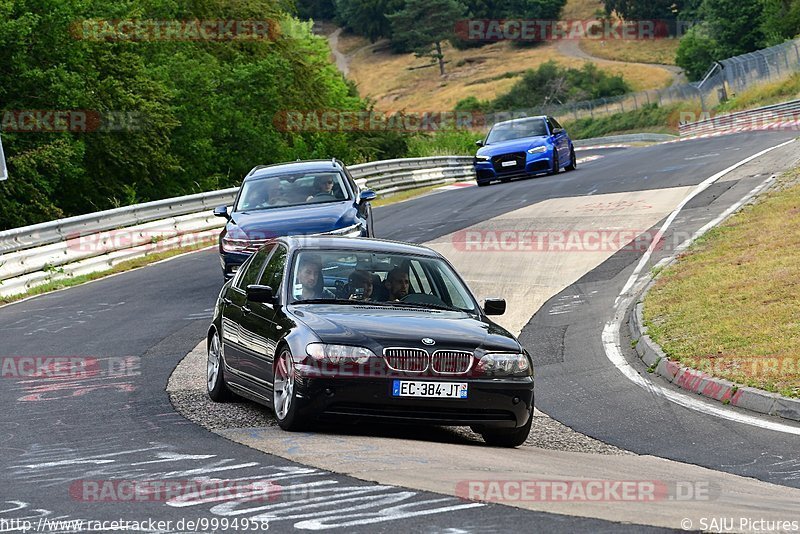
column 327, row 301
column 444, row 307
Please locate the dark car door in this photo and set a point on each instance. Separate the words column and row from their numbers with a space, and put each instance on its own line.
column 235, row 299
column 258, row 323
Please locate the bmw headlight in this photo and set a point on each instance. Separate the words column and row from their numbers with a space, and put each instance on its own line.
column 505, row 364
column 537, row 149
column 337, row 354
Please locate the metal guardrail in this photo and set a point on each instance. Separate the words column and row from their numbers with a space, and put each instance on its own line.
column 33, row 255
column 759, row 118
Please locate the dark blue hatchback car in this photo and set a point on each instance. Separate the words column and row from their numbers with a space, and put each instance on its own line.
column 523, row 147
column 304, row 198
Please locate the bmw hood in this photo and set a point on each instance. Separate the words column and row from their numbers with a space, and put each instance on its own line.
column 306, row 219
column 513, row 145
column 378, row 327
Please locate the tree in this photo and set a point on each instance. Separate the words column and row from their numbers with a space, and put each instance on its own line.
column 367, row 17
column 696, row 52
column 781, row 20
column 423, row 25
column 735, row 26
column 316, row 9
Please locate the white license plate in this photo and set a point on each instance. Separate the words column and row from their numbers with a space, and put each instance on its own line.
column 446, row 390
column 508, row 163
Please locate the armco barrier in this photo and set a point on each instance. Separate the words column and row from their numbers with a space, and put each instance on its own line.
column 33, row 255
column 752, row 119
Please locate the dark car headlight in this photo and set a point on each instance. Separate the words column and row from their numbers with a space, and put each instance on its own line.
column 505, row 364
column 337, row 354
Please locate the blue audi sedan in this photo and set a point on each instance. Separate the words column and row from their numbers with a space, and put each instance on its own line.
column 317, row 197
column 523, row 147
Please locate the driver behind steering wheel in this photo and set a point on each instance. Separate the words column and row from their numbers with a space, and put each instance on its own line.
column 323, row 188
column 397, row 283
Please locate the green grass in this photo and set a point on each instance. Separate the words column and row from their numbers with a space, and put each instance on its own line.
column 764, row 95
column 731, row 305
column 444, row 143
column 403, row 195
column 649, row 118
column 127, row 265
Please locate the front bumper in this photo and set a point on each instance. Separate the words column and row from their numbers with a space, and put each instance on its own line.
column 489, row 170
column 494, row 403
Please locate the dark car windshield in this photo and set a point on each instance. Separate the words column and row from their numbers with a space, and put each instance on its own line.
column 347, row 277
column 292, row 190
column 505, row 131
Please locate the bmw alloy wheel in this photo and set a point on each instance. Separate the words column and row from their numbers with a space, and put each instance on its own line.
column 283, row 387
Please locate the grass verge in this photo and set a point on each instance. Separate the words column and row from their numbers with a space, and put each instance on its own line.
column 656, row 51
column 764, row 95
column 649, row 118
column 403, row 195
column 731, row 305
column 127, row 265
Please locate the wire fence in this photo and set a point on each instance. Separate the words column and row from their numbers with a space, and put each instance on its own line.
column 724, row 80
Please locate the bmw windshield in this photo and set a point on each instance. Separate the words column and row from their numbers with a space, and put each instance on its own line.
column 382, row 279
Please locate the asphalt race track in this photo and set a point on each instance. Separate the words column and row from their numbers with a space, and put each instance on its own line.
column 61, row 435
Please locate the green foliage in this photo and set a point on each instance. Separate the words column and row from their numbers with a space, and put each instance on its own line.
column 646, row 117
column 443, row 143
column 735, row 25
column 205, row 110
column 422, row 25
column 732, row 27
column 780, row 20
column 696, row 52
column 367, row 17
column 551, row 84
column 316, row 9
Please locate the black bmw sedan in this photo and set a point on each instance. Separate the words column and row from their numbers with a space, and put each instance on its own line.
column 365, row 328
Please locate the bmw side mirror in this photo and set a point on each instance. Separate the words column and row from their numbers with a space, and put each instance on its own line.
column 494, row 306
column 259, row 293
column 479, row 143
column 222, row 211
column 367, row 195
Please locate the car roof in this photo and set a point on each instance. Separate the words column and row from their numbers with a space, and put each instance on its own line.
column 315, row 165
column 362, row 244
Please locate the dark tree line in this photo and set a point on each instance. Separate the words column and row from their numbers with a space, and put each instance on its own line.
column 204, row 111
column 720, row 28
